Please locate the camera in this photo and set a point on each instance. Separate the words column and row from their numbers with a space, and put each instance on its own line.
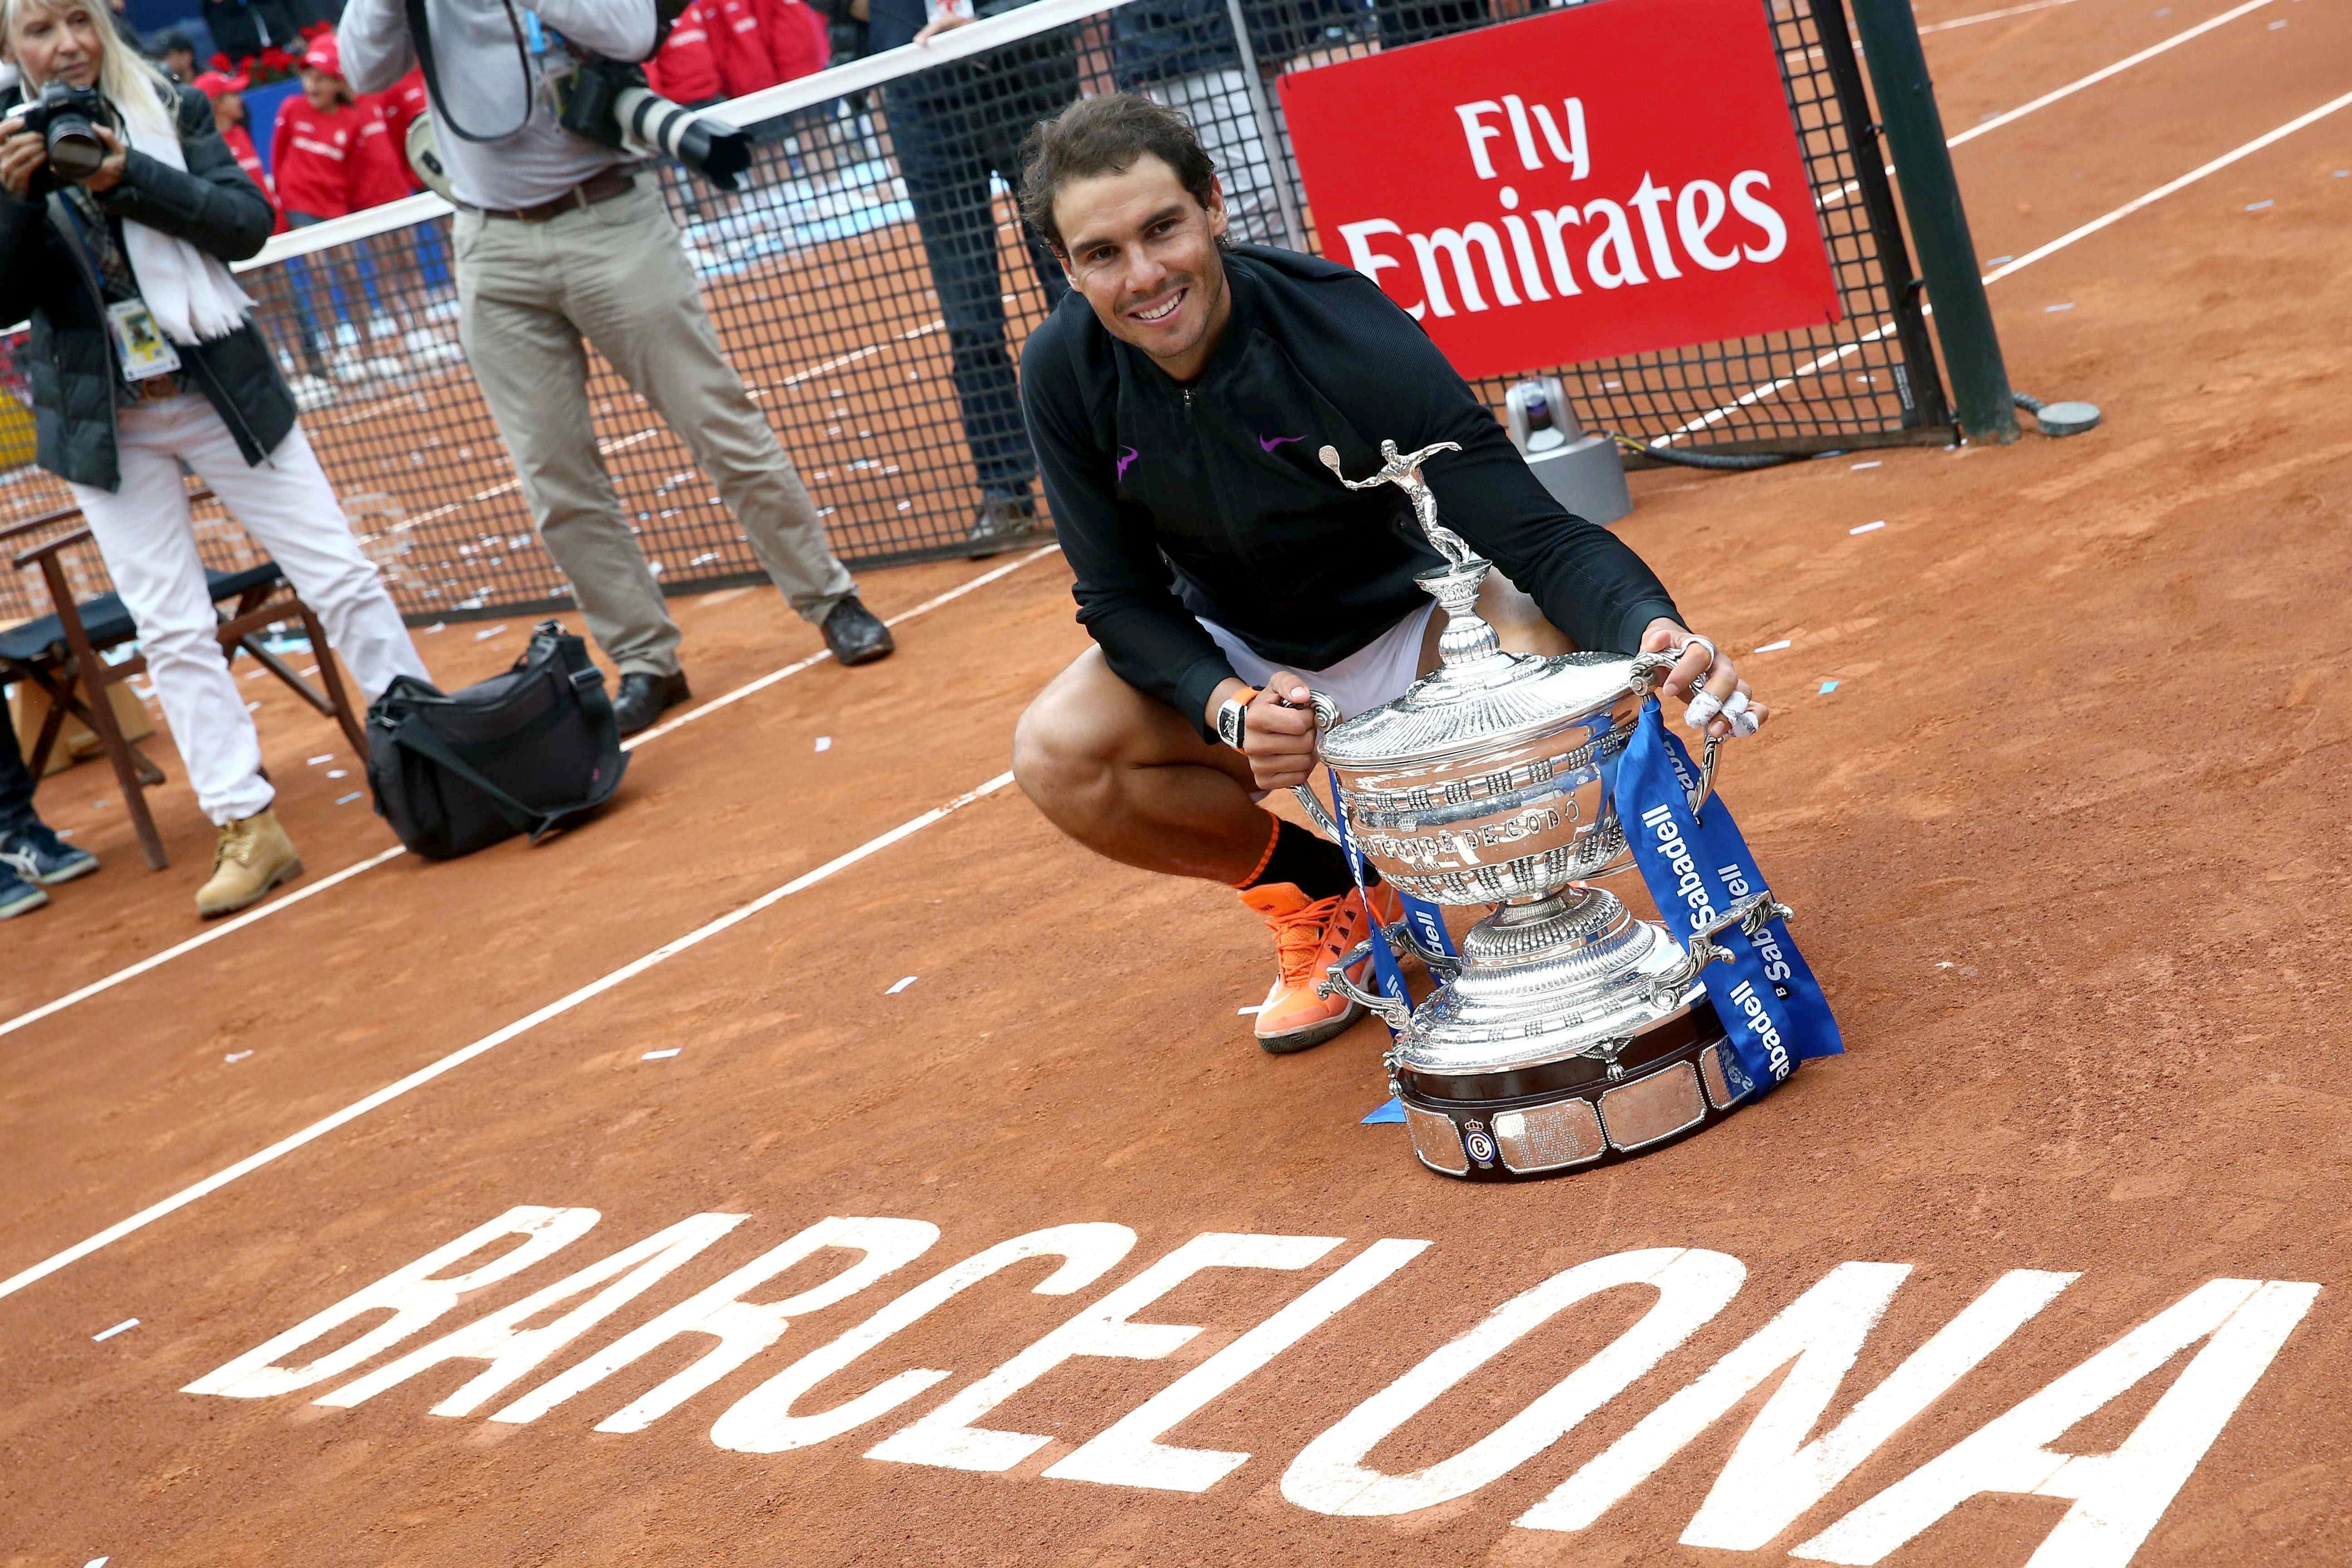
column 68, row 119
column 608, row 101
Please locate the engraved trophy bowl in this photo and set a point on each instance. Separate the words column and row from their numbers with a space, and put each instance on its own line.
column 1568, row 1033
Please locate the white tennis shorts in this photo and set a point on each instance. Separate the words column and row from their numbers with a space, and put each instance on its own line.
column 1375, row 673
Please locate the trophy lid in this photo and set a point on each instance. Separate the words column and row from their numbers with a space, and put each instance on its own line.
column 1480, row 698
column 1481, row 705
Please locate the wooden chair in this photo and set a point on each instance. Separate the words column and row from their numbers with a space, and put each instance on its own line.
column 59, row 654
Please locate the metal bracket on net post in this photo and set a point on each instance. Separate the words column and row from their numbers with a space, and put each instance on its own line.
column 1914, row 133
column 1294, row 231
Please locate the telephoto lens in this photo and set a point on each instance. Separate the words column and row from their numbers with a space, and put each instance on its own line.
column 712, row 148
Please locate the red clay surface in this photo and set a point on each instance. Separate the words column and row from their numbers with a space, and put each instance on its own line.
column 2085, row 750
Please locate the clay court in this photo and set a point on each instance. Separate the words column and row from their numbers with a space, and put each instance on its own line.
column 2066, row 843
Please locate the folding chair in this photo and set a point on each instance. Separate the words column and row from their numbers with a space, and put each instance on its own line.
column 59, row 654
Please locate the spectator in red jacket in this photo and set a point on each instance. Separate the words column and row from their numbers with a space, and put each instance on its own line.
column 739, row 36
column 333, row 155
column 799, row 42
column 686, row 68
column 226, row 93
column 400, row 104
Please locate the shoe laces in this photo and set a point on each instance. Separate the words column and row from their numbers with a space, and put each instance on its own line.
column 1300, row 936
column 236, row 843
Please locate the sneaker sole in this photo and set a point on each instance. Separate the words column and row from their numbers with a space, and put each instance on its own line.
column 71, row 873
column 40, row 900
column 285, row 873
column 1307, row 1039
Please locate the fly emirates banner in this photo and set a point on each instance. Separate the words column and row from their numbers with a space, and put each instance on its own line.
column 1605, row 180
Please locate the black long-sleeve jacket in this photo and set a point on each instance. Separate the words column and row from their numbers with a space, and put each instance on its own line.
column 1175, row 500
column 46, row 275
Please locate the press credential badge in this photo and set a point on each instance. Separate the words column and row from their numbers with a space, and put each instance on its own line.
column 145, row 351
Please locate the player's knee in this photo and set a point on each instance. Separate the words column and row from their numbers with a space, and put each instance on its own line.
column 1060, row 757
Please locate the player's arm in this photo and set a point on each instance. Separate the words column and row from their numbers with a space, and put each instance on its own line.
column 1124, row 586
column 1588, row 582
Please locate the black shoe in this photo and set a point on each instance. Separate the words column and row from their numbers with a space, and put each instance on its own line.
column 37, row 855
column 645, row 698
column 854, row 633
column 1006, row 518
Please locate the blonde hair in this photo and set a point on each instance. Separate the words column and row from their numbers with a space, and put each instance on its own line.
column 129, row 79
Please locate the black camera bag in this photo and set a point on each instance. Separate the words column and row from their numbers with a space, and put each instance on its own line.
column 533, row 751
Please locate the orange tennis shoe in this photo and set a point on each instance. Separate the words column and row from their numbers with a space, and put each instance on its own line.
column 1309, row 937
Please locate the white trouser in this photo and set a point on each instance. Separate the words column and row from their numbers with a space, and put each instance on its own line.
column 149, row 540
column 1218, row 104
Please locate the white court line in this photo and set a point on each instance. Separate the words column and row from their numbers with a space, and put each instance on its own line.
column 311, row 890
column 458, row 1059
column 1991, row 15
column 2071, row 88
column 1769, row 388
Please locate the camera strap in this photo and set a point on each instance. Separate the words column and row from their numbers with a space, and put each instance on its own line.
column 1773, row 1013
column 420, row 33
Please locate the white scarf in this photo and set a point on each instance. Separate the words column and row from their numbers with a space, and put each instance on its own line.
column 191, row 294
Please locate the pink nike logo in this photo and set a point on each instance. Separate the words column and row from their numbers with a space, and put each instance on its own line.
column 1127, row 455
column 1269, row 443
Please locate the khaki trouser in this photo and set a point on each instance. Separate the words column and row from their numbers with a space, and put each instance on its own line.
column 615, row 274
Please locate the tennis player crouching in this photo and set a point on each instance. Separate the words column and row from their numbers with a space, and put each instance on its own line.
column 1177, row 400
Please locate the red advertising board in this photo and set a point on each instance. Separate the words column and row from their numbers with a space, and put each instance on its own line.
column 1605, row 180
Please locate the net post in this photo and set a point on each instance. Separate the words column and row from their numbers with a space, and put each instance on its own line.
column 1269, row 133
column 1914, row 134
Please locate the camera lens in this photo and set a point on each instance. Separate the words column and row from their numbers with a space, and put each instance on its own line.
column 75, row 150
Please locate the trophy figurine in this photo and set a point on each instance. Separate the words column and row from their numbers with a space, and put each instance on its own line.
column 1568, row 1033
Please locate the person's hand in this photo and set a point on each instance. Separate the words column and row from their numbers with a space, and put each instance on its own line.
column 944, row 22
column 1278, row 735
column 108, row 173
column 1718, row 702
column 22, row 152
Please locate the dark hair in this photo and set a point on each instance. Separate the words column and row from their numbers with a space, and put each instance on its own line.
column 1105, row 134
column 174, row 40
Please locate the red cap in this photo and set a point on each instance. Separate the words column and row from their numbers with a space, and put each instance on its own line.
column 323, row 55
column 212, row 84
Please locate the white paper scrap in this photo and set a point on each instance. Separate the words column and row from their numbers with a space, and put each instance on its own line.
column 1246, row 1012
column 437, row 627
column 900, row 986
column 1872, row 464
column 98, row 1563
column 1774, row 647
column 491, row 631
column 1866, row 528
column 825, row 742
column 2054, row 310
column 2257, row 206
column 661, row 1056
column 320, row 761
column 339, row 772
column 126, row 1323
column 346, row 800
column 237, row 1055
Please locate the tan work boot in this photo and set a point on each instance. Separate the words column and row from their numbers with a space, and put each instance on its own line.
column 253, row 857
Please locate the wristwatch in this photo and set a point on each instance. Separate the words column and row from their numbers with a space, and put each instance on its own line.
column 1230, row 716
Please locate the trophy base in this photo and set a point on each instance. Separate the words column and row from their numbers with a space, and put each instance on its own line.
column 1531, row 1124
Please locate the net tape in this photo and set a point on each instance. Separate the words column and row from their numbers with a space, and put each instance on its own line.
column 874, row 284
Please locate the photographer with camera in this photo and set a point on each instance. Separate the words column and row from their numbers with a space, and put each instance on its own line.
column 118, row 205
column 561, row 241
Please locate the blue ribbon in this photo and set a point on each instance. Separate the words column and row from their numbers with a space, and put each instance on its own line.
column 1771, row 1006
column 1385, row 973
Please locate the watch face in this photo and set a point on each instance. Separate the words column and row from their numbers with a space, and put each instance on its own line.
column 1229, row 724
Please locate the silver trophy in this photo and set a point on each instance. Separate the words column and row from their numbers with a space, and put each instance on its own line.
column 1568, row 1031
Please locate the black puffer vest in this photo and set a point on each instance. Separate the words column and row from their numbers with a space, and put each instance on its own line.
column 48, row 276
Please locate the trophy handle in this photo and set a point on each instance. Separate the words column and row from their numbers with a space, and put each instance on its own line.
column 1648, row 666
column 1327, row 713
column 1393, row 1013
column 1750, row 914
